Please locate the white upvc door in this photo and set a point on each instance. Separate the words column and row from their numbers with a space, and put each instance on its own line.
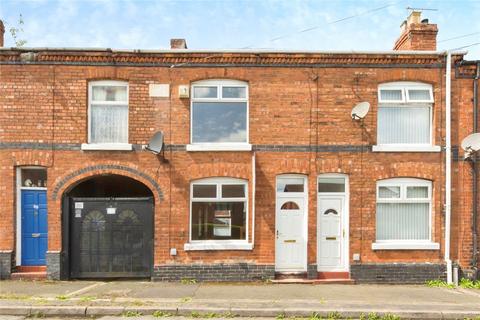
column 332, row 237
column 290, row 235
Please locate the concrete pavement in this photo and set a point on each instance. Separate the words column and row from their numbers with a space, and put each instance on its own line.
column 81, row 298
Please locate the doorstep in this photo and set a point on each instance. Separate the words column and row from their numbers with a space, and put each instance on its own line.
column 322, row 278
column 314, row 281
column 29, row 273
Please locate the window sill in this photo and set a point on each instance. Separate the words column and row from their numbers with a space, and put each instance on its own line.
column 405, row 148
column 107, row 146
column 197, row 246
column 220, row 147
column 405, row 246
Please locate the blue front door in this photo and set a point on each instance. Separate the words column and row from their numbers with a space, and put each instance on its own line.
column 34, row 227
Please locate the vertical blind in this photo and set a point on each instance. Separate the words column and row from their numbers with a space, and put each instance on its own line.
column 403, row 221
column 403, row 209
column 403, row 125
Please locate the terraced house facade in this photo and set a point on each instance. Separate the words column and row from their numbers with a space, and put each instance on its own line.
column 238, row 165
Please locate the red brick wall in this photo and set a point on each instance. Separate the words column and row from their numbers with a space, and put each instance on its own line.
column 49, row 103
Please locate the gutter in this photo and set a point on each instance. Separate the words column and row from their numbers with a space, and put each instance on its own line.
column 448, row 164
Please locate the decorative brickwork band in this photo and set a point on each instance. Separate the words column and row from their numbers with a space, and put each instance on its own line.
column 106, row 167
column 397, row 273
column 214, row 272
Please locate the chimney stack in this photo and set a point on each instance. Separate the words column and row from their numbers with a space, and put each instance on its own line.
column 2, row 33
column 417, row 34
column 178, row 44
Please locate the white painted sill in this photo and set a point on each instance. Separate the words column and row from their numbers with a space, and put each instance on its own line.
column 198, row 246
column 219, row 147
column 405, row 148
column 107, row 146
column 405, row 246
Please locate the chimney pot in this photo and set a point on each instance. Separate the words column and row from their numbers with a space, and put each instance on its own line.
column 2, row 33
column 178, row 44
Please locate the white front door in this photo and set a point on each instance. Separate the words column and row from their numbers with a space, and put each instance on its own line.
column 331, row 233
column 290, row 246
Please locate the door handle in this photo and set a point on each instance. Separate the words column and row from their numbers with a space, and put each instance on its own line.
column 35, row 235
column 277, row 234
column 331, row 238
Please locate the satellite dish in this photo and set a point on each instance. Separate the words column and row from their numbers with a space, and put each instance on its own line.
column 471, row 143
column 360, row 110
column 155, row 144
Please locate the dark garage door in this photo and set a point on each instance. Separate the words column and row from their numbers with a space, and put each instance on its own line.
column 111, row 237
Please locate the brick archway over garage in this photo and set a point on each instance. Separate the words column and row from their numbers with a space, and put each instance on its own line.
column 89, row 171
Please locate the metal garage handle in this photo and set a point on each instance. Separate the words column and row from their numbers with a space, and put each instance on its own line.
column 331, row 238
column 35, row 235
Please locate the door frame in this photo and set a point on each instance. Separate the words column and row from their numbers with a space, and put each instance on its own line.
column 19, row 188
column 303, row 195
column 345, row 221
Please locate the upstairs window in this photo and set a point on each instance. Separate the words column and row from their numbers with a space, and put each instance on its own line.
column 108, row 112
column 404, row 210
column 405, row 114
column 219, row 112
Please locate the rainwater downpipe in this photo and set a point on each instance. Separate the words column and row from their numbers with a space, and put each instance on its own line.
column 448, row 165
column 474, row 173
column 254, row 182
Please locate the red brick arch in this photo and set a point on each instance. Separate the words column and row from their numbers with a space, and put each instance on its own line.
column 67, row 181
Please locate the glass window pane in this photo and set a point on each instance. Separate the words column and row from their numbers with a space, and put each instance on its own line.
column 389, row 192
column 34, row 178
column 408, row 125
column 219, row 122
column 417, row 192
column 402, row 221
column 204, row 190
column 419, row 95
column 109, row 124
column 109, row 93
column 218, row 221
column 391, row 95
column 204, row 92
column 233, row 191
column 234, row 92
column 331, row 185
column 290, row 205
column 290, row 185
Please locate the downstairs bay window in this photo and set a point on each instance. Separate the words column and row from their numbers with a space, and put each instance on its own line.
column 404, row 215
column 219, row 215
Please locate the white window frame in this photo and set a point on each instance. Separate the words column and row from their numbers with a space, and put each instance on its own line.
column 125, row 146
column 220, row 146
column 241, row 244
column 405, row 87
column 403, row 183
